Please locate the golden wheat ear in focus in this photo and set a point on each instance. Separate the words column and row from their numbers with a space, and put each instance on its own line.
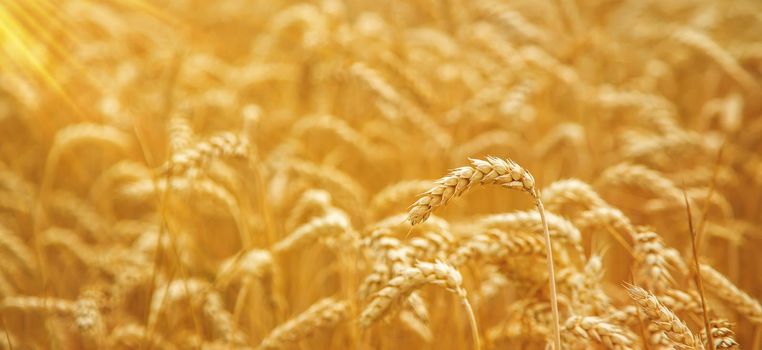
column 282, row 174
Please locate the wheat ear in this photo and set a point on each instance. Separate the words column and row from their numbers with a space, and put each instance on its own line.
column 506, row 173
column 324, row 314
column 411, row 278
column 600, row 331
column 727, row 291
column 661, row 316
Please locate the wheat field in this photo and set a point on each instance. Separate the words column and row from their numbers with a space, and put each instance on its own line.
column 404, row 174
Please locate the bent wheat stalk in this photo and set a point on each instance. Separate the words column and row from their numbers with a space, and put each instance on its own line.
column 503, row 172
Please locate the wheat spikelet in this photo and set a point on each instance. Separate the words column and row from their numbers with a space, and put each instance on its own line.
column 33, row 304
column 332, row 224
column 659, row 315
column 591, row 328
column 724, row 289
column 495, row 245
column 505, row 173
column 653, row 266
column 523, row 221
column 678, row 301
column 411, row 278
column 312, row 203
column 723, row 335
column 223, row 145
column 322, row 315
column 344, row 189
column 512, row 19
column 602, row 216
column 88, row 317
column 406, row 282
column 167, row 297
column 584, row 288
column 571, row 191
column 179, row 128
column 252, row 264
column 221, row 319
column 78, row 134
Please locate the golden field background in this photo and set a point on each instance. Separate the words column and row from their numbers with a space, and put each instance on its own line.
column 236, row 174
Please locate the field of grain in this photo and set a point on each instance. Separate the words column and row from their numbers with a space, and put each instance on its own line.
column 358, row 174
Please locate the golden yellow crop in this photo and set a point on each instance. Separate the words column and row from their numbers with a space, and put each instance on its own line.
column 404, row 174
